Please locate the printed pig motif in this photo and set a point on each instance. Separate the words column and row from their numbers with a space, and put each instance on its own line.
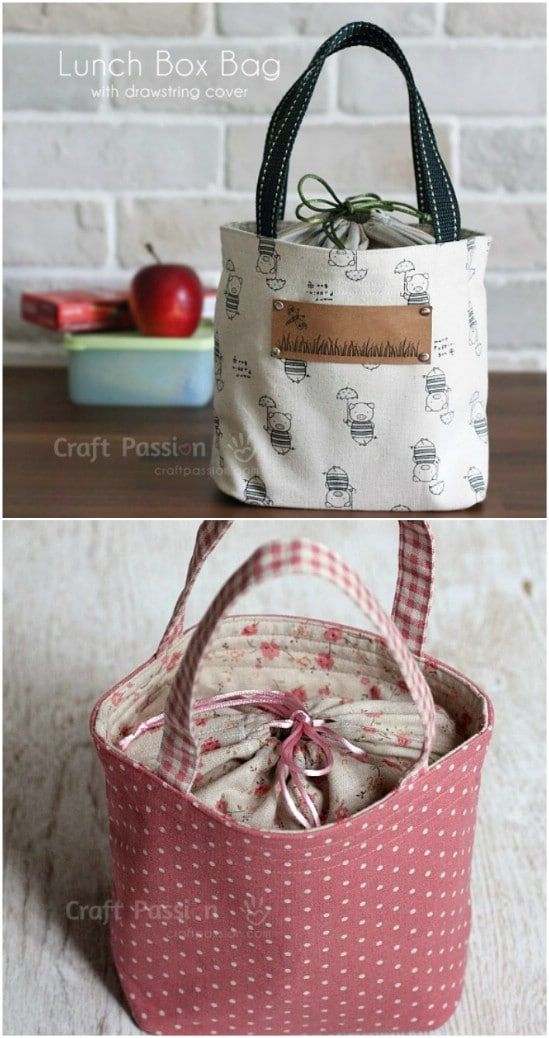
column 278, row 426
column 426, row 466
column 340, row 257
column 218, row 364
column 339, row 492
column 474, row 340
column 359, row 416
column 438, row 395
column 416, row 289
column 232, row 291
column 354, row 263
column 295, row 370
column 416, row 285
column 255, row 492
column 475, row 480
column 478, row 417
column 267, row 263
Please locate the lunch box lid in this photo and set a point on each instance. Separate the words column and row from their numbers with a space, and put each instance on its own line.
column 201, row 340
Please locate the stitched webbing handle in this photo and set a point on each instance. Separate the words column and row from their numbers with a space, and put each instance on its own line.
column 413, row 593
column 178, row 754
column 434, row 189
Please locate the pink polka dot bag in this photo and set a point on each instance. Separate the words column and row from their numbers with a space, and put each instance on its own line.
column 292, row 807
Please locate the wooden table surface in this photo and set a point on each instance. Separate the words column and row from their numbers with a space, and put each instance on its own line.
column 37, row 483
column 86, row 602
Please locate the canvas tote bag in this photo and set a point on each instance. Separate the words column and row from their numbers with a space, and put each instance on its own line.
column 356, row 926
column 399, row 425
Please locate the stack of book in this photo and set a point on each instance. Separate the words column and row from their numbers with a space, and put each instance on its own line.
column 87, row 310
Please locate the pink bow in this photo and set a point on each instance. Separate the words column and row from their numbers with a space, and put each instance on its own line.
column 300, row 725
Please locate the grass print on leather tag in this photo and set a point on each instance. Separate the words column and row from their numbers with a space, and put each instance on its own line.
column 351, row 334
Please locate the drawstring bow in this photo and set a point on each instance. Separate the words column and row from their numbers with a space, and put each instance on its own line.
column 300, row 725
column 328, row 212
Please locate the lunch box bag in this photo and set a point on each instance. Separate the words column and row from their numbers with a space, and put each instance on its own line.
column 357, row 926
column 351, row 379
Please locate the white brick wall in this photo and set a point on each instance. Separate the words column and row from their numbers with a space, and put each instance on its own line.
column 88, row 180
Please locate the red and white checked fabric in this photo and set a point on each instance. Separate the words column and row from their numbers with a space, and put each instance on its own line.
column 209, row 534
column 414, row 588
column 178, row 754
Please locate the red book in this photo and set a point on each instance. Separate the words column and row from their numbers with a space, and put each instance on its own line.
column 78, row 310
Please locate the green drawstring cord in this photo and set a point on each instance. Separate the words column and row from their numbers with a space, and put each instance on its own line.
column 356, row 208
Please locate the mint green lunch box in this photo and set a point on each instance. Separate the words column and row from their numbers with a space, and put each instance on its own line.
column 132, row 369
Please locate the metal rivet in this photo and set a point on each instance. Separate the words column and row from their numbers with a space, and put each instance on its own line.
column 278, row 305
column 423, row 357
column 275, row 352
column 425, row 311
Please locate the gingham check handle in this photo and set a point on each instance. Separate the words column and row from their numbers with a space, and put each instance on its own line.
column 413, row 594
column 178, row 754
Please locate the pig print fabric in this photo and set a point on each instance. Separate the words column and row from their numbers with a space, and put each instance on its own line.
column 391, row 437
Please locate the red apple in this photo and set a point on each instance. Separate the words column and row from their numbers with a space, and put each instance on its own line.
column 166, row 299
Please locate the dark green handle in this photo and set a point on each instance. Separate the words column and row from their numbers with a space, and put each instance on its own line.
column 434, row 189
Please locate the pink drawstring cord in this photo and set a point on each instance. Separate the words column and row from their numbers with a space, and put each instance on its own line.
column 299, row 724
column 145, row 726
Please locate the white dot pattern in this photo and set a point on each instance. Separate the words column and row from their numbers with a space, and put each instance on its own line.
column 356, row 927
column 331, row 932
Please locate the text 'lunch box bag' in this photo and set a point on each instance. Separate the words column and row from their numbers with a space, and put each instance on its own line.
column 356, row 926
column 327, row 395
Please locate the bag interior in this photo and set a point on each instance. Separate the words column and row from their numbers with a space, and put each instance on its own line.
column 284, row 653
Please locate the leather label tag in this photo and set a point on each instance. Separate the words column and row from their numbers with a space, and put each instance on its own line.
column 351, row 334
